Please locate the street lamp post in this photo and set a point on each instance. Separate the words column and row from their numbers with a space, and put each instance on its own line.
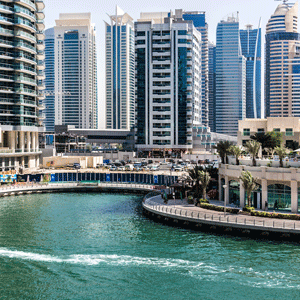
column 225, row 197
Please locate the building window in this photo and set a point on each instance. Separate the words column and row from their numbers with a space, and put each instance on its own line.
column 276, row 129
column 289, row 132
column 246, row 132
column 260, row 130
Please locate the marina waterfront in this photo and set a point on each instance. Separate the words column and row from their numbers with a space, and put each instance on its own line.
column 100, row 246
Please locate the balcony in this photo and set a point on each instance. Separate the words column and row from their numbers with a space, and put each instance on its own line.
column 6, row 20
column 40, row 25
column 6, row 32
column 40, row 5
column 6, row 9
column 6, row 67
column 26, row 3
column 25, row 14
column 6, row 43
column 25, row 47
column 26, row 36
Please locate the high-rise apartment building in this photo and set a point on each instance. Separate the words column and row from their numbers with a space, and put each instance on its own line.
column 168, row 82
column 49, row 100
column 21, row 82
column 119, row 52
column 212, row 86
column 251, row 49
column 71, row 53
column 230, row 77
column 282, row 98
column 199, row 21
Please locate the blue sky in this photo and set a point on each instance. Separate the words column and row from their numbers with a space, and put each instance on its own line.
column 249, row 12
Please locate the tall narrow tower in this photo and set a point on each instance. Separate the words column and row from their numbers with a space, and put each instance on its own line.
column 76, row 91
column 230, row 77
column 119, row 45
column 251, row 49
column 21, row 82
column 281, row 63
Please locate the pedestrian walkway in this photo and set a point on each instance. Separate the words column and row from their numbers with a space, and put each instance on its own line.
column 180, row 209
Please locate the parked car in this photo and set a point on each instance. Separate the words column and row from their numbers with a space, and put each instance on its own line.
column 76, row 166
column 178, row 168
column 121, row 168
column 113, row 168
column 129, row 167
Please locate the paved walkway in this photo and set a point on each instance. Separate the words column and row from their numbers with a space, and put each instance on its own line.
column 183, row 210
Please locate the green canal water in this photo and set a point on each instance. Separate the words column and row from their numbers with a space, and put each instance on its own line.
column 100, row 246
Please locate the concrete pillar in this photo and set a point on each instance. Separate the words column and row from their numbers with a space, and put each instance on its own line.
column 294, row 196
column 36, row 140
column 264, row 192
column 33, row 141
column 220, row 189
column 242, row 194
column 28, row 146
column 12, row 140
column 226, row 192
column 21, row 141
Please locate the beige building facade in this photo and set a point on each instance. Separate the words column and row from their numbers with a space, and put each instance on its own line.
column 289, row 127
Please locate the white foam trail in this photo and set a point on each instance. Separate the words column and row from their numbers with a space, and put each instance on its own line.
column 200, row 270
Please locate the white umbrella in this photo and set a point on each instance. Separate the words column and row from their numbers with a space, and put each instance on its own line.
column 298, row 150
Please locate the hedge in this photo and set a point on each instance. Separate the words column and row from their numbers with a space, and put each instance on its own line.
column 218, row 208
column 275, row 215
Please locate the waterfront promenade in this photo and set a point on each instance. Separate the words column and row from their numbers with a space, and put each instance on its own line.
column 181, row 211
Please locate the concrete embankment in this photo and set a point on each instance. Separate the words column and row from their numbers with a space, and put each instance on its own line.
column 177, row 213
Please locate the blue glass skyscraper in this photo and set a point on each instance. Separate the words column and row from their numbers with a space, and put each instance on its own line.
column 230, row 78
column 199, row 21
column 49, row 101
column 212, row 86
column 251, row 49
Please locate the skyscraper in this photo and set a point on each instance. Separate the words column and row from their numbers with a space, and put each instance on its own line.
column 251, row 49
column 21, row 82
column 119, row 51
column 282, row 63
column 199, row 20
column 49, row 100
column 168, row 82
column 212, row 86
column 75, row 68
column 230, row 77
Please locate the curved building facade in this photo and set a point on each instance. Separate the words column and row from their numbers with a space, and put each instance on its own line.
column 21, row 81
column 282, row 83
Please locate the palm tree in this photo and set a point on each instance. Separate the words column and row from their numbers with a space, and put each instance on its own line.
column 236, row 151
column 223, row 150
column 281, row 152
column 194, row 176
column 253, row 147
column 204, row 179
column 249, row 185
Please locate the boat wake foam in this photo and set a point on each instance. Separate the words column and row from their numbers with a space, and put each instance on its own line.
column 199, row 270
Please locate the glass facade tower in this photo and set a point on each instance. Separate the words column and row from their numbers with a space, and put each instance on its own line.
column 49, row 100
column 251, row 49
column 21, row 82
column 168, row 82
column 75, row 69
column 230, row 78
column 119, row 60
column 212, row 86
column 281, row 63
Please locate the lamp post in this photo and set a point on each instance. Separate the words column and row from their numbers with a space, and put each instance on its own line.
column 225, row 197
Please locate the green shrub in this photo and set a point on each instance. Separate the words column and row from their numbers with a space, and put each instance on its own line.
column 190, row 200
column 275, row 215
column 218, row 208
column 204, row 201
column 248, row 208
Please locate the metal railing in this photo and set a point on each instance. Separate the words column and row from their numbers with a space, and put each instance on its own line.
column 223, row 219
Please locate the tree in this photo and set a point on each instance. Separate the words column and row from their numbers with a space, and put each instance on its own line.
column 252, row 147
column 204, row 179
column 194, row 176
column 281, row 152
column 268, row 140
column 223, row 150
column 236, row 151
column 249, row 185
column 293, row 145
